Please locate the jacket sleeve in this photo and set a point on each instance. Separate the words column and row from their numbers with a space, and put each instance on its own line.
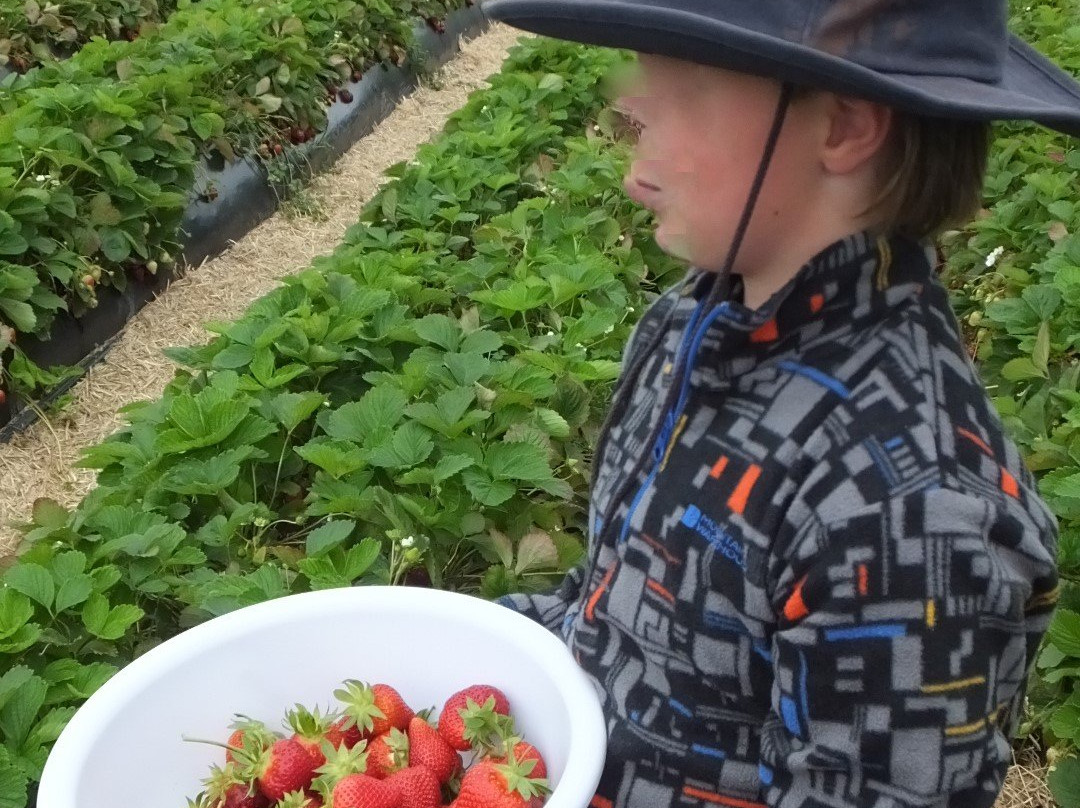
column 906, row 632
column 549, row 608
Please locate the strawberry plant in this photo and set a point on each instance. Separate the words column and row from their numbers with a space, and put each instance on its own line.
column 98, row 153
column 32, row 32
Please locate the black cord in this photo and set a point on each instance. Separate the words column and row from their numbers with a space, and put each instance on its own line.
column 719, row 288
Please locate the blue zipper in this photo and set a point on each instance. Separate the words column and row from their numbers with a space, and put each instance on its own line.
column 685, row 358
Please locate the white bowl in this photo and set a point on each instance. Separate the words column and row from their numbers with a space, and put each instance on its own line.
column 124, row 746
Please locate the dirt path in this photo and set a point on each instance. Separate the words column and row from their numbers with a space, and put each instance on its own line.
column 38, row 463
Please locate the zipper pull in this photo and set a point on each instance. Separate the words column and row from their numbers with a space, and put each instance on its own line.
column 665, row 435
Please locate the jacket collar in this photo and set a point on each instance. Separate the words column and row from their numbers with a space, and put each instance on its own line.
column 847, row 287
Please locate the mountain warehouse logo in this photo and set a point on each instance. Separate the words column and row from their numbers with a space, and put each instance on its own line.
column 715, row 535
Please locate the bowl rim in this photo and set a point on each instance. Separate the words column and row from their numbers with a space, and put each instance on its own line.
column 583, row 767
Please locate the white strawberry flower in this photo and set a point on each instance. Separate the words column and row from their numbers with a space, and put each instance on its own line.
column 993, row 257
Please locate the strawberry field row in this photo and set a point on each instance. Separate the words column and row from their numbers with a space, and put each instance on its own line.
column 419, row 406
column 33, row 32
column 100, row 154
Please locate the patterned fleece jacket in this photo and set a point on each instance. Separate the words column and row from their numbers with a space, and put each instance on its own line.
column 820, row 577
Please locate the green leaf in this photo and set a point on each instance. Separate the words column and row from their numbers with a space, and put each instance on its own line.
column 369, row 419
column 517, row 461
column 552, row 423
column 109, row 623
column 341, row 569
column 1064, row 632
column 1041, row 355
column 270, row 103
column 12, row 782
column 32, row 580
column 467, row 368
column 321, row 540
column 536, row 551
column 292, row 409
column 195, row 477
column 12, row 680
column 233, row 357
column 337, row 458
column 15, row 611
column 19, row 314
column 440, row 330
column 1064, row 782
column 486, row 490
column 1019, row 369
column 450, row 465
column 411, row 444
column 19, row 714
column 114, row 244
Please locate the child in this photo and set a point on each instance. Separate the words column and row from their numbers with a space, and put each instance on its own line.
column 818, row 570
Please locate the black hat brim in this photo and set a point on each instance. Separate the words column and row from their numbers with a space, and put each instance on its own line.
column 1031, row 87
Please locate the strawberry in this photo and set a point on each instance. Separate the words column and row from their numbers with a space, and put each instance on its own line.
column 375, row 709
column 299, row 799
column 523, row 751
column 499, row 785
column 286, row 766
column 344, row 731
column 357, row 75
column 427, row 748
column 309, row 729
column 361, row 791
column 226, row 788
column 416, row 787
column 3, row 396
column 388, row 753
column 256, row 733
column 345, row 96
column 468, row 717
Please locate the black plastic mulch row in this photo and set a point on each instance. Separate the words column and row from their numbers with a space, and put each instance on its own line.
column 244, row 199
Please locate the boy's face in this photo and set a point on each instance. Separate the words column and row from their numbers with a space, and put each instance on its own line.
column 702, row 134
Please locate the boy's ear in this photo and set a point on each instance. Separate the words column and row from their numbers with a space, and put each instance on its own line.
column 857, row 131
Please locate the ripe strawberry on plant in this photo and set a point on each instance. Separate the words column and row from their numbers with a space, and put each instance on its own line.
column 417, row 787
column 361, row 791
column 375, row 708
column 500, row 785
column 468, row 717
column 387, row 753
column 427, row 748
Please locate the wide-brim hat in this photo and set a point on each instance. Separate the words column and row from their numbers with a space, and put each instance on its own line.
column 943, row 58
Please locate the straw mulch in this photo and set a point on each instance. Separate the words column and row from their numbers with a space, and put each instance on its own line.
column 38, row 463
column 1025, row 786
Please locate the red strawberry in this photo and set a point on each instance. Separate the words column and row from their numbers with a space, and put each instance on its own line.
column 524, row 751
column 361, row 791
column 311, row 728
column 463, row 724
column 496, row 785
column 256, row 732
column 226, row 788
column 286, row 766
column 241, row 796
column 387, row 754
column 376, row 709
column 344, row 731
column 427, row 748
column 299, row 799
column 345, row 96
column 416, row 787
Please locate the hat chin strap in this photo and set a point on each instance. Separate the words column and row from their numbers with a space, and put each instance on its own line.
column 720, row 287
